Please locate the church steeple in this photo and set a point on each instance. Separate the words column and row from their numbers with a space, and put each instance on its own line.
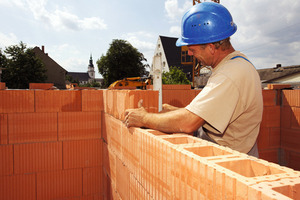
column 91, row 69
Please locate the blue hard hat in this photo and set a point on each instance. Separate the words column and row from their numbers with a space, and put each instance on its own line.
column 204, row 23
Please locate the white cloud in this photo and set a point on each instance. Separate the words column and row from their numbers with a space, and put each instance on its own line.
column 60, row 19
column 140, row 40
column 175, row 30
column 7, row 40
column 174, row 10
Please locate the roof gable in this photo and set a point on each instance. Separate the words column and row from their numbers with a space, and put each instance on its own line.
column 172, row 52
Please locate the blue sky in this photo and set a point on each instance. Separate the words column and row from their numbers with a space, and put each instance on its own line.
column 268, row 30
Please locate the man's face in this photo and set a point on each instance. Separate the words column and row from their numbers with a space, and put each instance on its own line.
column 201, row 53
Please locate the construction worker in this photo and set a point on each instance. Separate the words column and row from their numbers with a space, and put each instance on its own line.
column 228, row 111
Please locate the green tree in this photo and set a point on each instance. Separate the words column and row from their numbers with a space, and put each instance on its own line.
column 175, row 76
column 23, row 67
column 121, row 60
column 3, row 63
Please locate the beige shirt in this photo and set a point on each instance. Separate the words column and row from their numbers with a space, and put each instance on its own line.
column 231, row 103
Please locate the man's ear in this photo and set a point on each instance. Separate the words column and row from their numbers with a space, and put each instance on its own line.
column 211, row 48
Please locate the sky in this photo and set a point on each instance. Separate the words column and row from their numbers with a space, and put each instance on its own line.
column 268, row 30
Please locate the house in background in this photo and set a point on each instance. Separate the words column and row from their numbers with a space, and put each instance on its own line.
column 55, row 73
column 86, row 77
column 172, row 56
column 280, row 75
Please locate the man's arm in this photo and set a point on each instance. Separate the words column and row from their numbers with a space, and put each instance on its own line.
column 179, row 120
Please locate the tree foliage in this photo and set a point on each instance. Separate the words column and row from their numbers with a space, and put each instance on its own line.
column 22, row 67
column 175, row 76
column 121, row 60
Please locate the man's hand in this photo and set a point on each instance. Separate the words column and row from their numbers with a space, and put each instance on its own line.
column 134, row 117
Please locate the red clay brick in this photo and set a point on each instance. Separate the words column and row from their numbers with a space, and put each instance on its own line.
column 271, row 116
column 92, row 100
column 274, row 138
column 270, row 155
column 16, row 101
column 179, row 98
column 3, row 129
column 285, row 117
column 292, row 158
column 122, row 180
column 79, row 125
column 2, row 86
column 42, row 86
column 82, row 153
column 278, row 86
column 36, row 157
column 59, row 184
column 263, row 138
column 107, row 189
column 269, row 97
column 18, row 187
column 290, row 139
column 32, row 127
column 295, row 118
column 6, row 160
column 57, row 101
column 92, row 181
column 291, row 98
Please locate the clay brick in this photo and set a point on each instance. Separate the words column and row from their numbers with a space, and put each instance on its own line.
column 284, row 189
column 32, row 127
column 291, row 159
column 18, row 187
column 79, row 125
column 6, row 160
column 295, row 118
column 107, row 189
column 114, row 134
column 291, row 98
column 207, row 151
column 82, row 153
column 92, row 100
column 59, row 184
column 122, row 180
column 92, row 181
column 271, row 116
column 121, row 103
column 263, row 138
column 42, row 86
column 290, row 139
column 269, row 97
column 36, row 157
column 2, row 86
column 3, row 129
column 57, row 101
column 285, row 117
column 16, row 101
column 178, row 98
column 278, row 86
column 270, row 155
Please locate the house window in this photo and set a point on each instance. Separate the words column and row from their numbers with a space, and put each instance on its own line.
column 185, row 58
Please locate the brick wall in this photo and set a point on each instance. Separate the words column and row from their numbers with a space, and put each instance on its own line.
column 50, row 144
column 290, row 128
column 52, row 147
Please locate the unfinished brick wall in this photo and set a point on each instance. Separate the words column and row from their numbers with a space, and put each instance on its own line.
column 147, row 164
column 290, row 128
column 52, row 147
column 50, row 144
